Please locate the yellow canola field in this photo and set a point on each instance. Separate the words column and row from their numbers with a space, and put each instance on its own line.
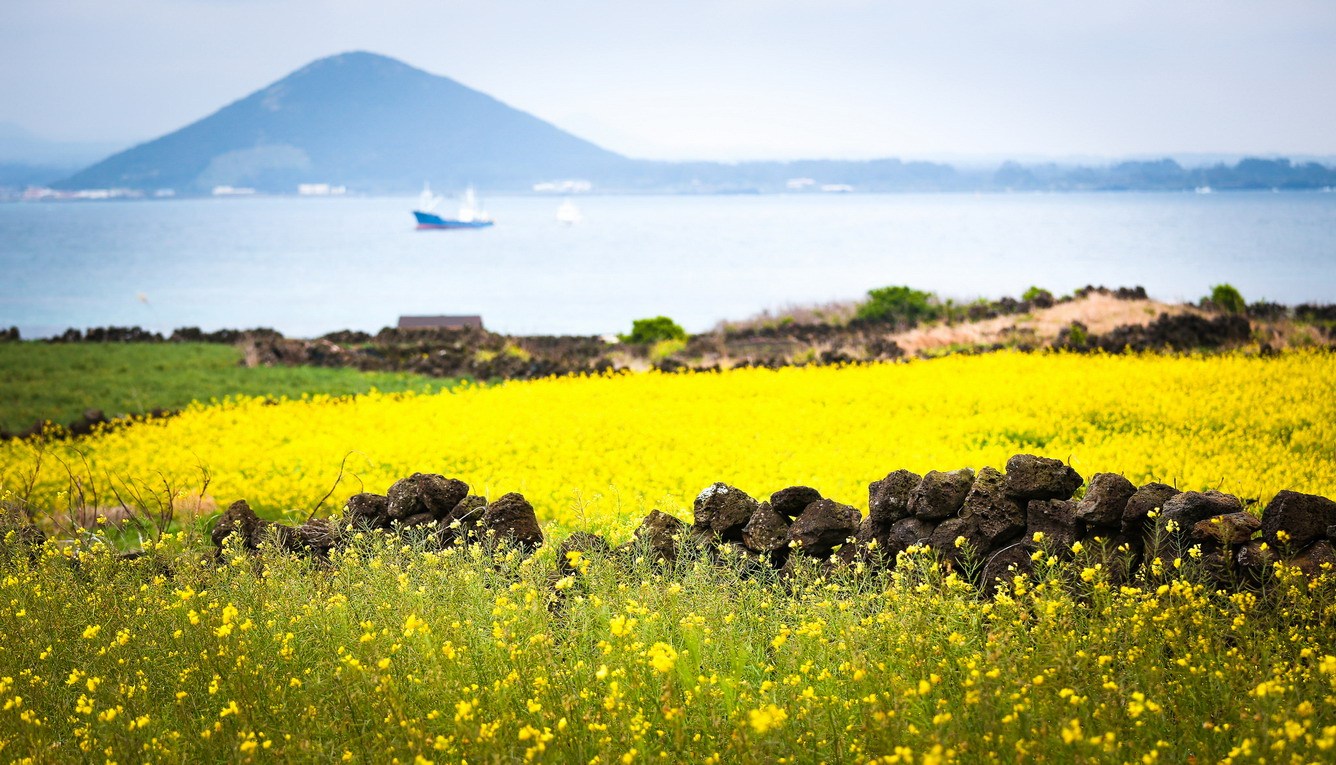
column 600, row 452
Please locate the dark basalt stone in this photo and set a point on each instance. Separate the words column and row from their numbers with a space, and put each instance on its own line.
column 1232, row 529
column 906, row 533
column 943, row 540
column 1056, row 520
column 823, row 526
column 1105, row 500
column 722, row 511
column 1148, row 498
column 888, row 499
column 1304, row 518
column 425, row 493
column 462, row 522
column 1255, row 558
column 318, row 535
column 1003, row 566
column 939, row 495
column 370, row 511
column 1189, row 507
column 511, row 518
column 1314, row 557
column 238, row 519
column 791, row 502
column 767, row 530
column 1032, row 477
column 659, row 533
column 585, row 544
column 996, row 516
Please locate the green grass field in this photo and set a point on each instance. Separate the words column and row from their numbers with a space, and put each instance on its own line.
column 58, row 382
column 390, row 653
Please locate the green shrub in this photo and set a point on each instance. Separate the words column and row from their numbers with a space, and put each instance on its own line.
column 1226, row 298
column 902, row 305
column 1038, row 296
column 645, row 331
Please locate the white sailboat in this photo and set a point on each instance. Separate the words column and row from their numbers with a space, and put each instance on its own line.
column 568, row 213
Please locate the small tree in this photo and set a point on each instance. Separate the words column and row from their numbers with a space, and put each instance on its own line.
column 903, row 305
column 1038, row 297
column 1225, row 298
column 653, row 330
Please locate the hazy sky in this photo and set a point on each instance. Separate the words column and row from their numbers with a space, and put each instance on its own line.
column 725, row 79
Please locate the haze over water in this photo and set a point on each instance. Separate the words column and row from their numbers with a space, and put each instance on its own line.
column 311, row 266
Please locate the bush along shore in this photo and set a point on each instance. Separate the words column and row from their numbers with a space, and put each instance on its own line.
column 879, row 329
column 988, row 527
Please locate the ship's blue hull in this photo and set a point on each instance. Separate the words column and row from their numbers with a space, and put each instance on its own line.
column 433, row 221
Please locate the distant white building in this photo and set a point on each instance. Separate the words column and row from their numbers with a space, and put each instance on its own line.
column 320, row 190
column 232, row 191
column 571, row 186
column 800, row 184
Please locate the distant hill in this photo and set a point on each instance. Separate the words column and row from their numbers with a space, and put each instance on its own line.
column 377, row 125
column 29, row 160
column 362, row 120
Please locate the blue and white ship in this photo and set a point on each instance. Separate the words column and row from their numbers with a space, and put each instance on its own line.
column 469, row 215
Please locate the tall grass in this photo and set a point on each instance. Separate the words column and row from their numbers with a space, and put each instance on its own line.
column 390, row 653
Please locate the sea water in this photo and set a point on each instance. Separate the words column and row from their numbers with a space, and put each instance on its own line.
column 306, row 266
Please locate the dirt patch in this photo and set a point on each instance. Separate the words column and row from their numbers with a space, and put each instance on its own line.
column 1099, row 312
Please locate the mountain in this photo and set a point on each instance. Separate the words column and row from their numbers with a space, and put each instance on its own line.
column 30, row 160
column 377, row 125
column 361, row 120
column 19, row 146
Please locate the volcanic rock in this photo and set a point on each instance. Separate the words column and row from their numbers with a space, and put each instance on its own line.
column 462, row 522
column 1189, row 507
column 1105, row 500
column 1304, row 517
column 823, row 526
column 371, row 511
column 512, row 518
column 906, row 533
column 1056, row 520
column 888, row 499
column 1032, row 477
column 1232, row 529
column 425, row 493
column 944, row 537
column 1311, row 560
column 767, row 530
column 421, row 519
column 722, row 511
column 1150, row 497
column 1005, row 565
column 583, row 543
column 318, row 535
column 995, row 515
column 659, row 533
column 940, row 495
column 791, row 502
column 239, row 518
column 1255, row 558
column 1219, row 566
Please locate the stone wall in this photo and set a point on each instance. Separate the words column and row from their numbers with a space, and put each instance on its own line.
column 988, row 525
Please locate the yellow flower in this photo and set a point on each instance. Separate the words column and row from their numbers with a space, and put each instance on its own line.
column 620, row 626
column 766, row 718
column 662, row 657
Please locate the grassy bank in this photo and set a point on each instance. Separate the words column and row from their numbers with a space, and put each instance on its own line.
column 392, row 654
column 58, row 382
